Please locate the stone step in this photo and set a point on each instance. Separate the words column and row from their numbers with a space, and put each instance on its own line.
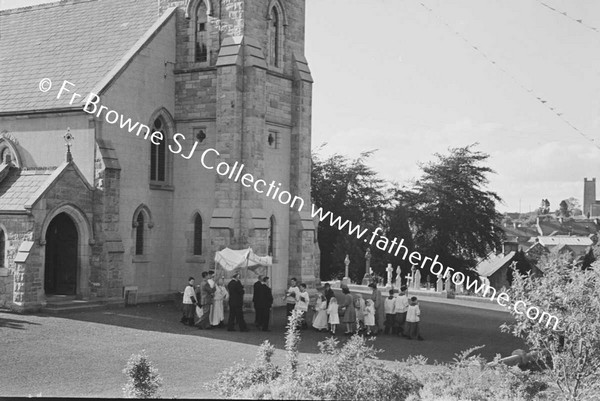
column 58, row 306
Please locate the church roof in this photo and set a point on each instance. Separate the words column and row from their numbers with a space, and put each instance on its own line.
column 80, row 41
column 19, row 186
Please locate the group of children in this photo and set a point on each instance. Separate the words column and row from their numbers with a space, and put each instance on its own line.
column 402, row 315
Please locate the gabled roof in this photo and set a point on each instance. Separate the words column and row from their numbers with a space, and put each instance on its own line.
column 80, row 41
column 19, row 186
column 21, row 189
column 493, row 263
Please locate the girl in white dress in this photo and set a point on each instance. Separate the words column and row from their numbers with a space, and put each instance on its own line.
column 320, row 322
column 359, row 305
column 370, row 316
column 334, row 317
column 217, row 312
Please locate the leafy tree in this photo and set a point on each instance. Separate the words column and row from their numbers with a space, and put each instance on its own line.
column 353, row 191
column 451, row 212
column 570, row 347
column 563, row 210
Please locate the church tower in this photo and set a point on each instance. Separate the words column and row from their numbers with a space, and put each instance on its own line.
column 589, row 196
column 244, row 90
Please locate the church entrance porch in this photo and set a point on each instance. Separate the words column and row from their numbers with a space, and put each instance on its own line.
column 61, row 261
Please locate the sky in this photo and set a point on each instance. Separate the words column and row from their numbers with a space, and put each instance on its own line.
column 411, row 78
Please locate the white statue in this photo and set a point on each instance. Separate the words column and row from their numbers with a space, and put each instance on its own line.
column 417, row 280
column 389, row 269
column 440, row 283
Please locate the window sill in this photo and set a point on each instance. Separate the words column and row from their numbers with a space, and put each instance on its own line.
column 140, row 259
column 195, row 259
column 161, row 187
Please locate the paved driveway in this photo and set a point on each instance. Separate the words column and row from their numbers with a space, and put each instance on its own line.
column 83, row 354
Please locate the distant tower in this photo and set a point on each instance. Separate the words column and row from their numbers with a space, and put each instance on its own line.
column 589, row 196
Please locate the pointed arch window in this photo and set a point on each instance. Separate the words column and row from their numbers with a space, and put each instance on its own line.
column 2, row 248
column 158, row 153
column 271, row 237
column 274, row 35
column 201, row 46
column 198, row 235
column 139, row 234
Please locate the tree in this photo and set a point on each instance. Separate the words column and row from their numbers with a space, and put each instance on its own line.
column 544, row 207
column 452, row 214
column 563, row 210
column 353, row 191
column 570, row 346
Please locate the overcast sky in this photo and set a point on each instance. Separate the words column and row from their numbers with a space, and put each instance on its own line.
column 392, row 75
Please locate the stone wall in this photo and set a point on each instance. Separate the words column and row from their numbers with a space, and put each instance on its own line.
column 17, row 228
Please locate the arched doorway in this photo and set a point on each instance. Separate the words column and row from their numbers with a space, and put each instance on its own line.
column 60, row 277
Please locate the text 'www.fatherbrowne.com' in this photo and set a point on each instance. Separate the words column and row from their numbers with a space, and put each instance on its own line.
column 274, row 191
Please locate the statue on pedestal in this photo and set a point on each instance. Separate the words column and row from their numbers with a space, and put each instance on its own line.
column 440, row 283
column 417, row 280
column 390, row 270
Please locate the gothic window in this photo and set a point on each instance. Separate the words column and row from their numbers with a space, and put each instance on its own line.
column 158, row 154
column 139, row 234
column 201, row 52
column 8, row 152
column 271, row 235
column 274, row 35
column 2, row 249
column 198, row 235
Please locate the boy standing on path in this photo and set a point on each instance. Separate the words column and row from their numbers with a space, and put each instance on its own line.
column 413, row 316
column 189, row 303
column 400, row 310
column 291, row 296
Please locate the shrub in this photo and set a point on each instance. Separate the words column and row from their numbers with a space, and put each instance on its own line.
column 241, row 376
column 472, row 378
column 571, row 353
column 143, row 378
column 348, row 373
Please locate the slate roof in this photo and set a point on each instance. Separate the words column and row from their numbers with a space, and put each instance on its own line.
column 570, row 241
column 75, row 40
column 493, row 263
column 567, row 227
column 19, row 186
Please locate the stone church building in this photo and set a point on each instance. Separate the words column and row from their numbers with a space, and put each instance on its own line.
column 89, row 207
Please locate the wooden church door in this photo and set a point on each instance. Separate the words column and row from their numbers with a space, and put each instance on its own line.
column 61, row 256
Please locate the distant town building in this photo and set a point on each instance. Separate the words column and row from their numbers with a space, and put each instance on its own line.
column 591, row 205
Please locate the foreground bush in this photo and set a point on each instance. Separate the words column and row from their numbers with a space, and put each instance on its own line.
column 143, row 380
column 571, row 351
column 472, row 378
column 346, row 373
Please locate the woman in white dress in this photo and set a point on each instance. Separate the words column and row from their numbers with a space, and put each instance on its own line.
column 320, row 322
column 217, row 312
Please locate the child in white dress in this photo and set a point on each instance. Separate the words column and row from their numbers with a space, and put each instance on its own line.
column 334, row 317
column 370, row 316
column 320, row 322
column 359, row 305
